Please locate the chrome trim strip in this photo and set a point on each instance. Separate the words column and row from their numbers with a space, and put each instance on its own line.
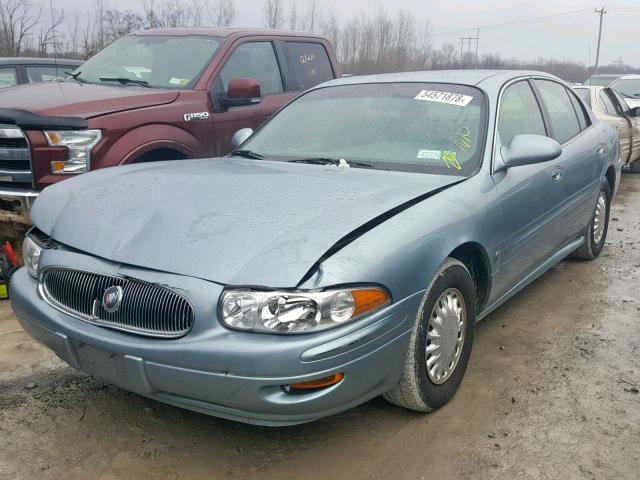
column 18, row 192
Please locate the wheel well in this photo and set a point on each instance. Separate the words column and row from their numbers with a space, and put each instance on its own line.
column 611, row 178
column 159, row 155
column 475, row 259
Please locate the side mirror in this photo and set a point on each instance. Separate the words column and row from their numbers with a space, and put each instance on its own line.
column 240, row 137
column 241, row 92
column 528, row 150
column 635, row 112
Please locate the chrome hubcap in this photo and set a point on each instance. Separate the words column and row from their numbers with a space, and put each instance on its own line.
column 600, row 218
column 445, row 335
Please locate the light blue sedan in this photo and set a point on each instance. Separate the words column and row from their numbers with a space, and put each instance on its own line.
column 345, row 250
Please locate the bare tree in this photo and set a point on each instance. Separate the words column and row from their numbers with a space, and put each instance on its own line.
column 222, row 13
column 18, row 20
column 314, row 13
column 120, row 22
column 293, row 16
column 273, row 13
column 170, row 13
column 47, row 38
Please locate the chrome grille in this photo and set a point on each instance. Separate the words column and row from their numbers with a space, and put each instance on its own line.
column 15, row 155
column 146, row 308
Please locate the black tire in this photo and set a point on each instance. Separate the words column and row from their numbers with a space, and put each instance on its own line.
column 635, row 166
column 591, row 249
column 416, row 390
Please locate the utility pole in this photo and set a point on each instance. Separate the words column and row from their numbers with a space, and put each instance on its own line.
column 600, row 12
column 469, row 40
column 618, row 62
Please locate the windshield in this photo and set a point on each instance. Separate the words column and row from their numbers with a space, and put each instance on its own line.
column 153, row 61
column 416, row 127
column 629, row 88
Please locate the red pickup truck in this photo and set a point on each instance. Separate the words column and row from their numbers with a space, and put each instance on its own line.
column 159, row 94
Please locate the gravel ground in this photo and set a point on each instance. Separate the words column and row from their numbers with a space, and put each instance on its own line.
column 551, row 392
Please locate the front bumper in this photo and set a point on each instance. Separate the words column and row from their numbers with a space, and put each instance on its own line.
column 15, row 203
column 226, row 373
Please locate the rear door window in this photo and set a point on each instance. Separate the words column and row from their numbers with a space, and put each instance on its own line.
column 563, row 117
column 307, row 65
column 256, row 60
column 606, row 103
column 519, row 113
column 8, row 77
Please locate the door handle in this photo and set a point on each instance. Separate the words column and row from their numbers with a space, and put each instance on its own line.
column 557, row 174
column 601, row 149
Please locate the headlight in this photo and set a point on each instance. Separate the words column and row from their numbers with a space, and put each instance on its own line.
column 79, row 144
column 298, row 311
column 31, row 255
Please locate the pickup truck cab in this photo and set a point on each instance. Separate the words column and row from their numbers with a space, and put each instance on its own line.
column 158, row 94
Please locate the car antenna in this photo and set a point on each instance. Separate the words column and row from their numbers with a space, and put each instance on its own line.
column 53, row 30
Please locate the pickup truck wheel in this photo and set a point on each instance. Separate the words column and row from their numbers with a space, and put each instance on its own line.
column 440, row 343
column 635, row 166
column 596, row 232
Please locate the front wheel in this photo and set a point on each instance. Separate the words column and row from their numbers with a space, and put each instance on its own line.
column 440, row 343
column 598, row 226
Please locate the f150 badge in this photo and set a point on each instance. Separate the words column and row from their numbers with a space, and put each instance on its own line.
column 188, row 117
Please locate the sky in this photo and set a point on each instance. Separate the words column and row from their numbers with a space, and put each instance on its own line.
column 572, row 37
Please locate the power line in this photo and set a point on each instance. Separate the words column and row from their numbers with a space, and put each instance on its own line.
column 521, row 22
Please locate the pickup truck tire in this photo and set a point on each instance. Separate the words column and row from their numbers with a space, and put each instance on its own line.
column 420, row 388
column 596, row 232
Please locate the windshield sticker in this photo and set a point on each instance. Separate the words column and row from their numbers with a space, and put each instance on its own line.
column 429, row 154
column 444, row 97
column 179, row 81
column 451, row 160
column 463, row 139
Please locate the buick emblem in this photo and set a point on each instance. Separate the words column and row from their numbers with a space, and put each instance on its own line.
column 112, row 298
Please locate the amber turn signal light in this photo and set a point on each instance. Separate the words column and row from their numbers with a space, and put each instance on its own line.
column 368, row 300
column 316, row 384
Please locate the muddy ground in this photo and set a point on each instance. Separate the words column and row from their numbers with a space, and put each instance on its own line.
column 551, row 392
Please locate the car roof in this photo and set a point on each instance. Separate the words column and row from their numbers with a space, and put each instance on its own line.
column 488, row 78
column 225, row 32
column 607, row 75
column 38, row 61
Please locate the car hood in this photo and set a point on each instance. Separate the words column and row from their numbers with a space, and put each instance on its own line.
column 227, row 220
column 82, row 100
column 633, row 102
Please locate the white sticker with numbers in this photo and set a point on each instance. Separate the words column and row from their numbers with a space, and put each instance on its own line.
column 444, row 97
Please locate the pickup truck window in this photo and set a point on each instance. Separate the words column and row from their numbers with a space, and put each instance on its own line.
column 307, row 64
column 255, row 60
column 153, row 60
column 8, row 77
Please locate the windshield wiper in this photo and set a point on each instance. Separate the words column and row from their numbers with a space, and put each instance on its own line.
column 125, row 81
column 76, row 76
column 332, row 161
column 247, row 154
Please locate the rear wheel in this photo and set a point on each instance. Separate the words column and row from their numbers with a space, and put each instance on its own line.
column 598, row 226
column 440, row 343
